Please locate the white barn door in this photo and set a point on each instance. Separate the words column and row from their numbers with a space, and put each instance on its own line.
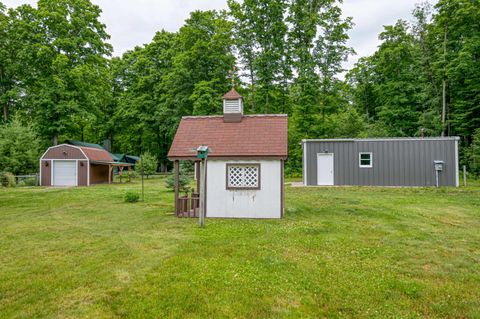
column 64, row 173
column 324, row 169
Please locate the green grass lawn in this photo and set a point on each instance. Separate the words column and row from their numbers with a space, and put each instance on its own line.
column 340, row 252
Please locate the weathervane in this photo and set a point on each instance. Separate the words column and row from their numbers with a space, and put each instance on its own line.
column 231, row 73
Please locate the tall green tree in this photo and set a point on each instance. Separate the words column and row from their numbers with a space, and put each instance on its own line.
column 201, row 69
column 455, row 30
column 4, row 85
column 261, row 32
column 430, row 95
column 363, row 79
column 177, row 74
column 390, row 85
column 398, row 89
column 330, row 52
column 20, row 33
column 318, row 37
column 137, row 81
column 12, row 64
column 246, row 45
column 67, row 67
column 423, row 79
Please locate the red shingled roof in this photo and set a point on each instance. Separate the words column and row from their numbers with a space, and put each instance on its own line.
column 232, row 95
column 254, row 136
column 96, row 154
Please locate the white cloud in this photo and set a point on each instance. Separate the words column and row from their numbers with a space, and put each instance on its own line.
column 370, row 16
column 134, row 22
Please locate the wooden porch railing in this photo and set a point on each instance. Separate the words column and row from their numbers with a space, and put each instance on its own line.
column 187, row 205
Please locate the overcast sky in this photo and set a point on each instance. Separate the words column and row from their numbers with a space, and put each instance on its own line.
column 134, row 22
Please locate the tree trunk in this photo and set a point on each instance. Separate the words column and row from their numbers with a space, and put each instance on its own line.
column 444, row 85
column 176, row 169
column 159, row 149
column 5, row 112
column 444, row 105
column 5, row 106
column 266, row 100
column 252, row 80
column 110, row 137
column 323, row 120
column 139, row 142
column 55, row 139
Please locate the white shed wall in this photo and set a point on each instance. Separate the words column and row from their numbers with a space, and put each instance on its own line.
column 262, row 203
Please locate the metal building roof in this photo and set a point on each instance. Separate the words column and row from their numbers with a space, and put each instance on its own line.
column 383, row 139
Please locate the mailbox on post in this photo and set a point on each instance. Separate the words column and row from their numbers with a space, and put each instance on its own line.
column 438, row 165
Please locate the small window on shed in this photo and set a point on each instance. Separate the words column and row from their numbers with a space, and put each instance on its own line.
column 243, row 176
column 365, row 159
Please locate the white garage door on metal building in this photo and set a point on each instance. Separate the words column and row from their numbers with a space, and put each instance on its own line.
column 64, row 173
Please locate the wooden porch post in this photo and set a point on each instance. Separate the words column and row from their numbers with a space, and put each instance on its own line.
column 120, row 171
column 197, row 175
column 110, row 167
column 176, row 168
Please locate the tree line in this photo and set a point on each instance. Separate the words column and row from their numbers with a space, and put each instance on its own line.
column 59, row 81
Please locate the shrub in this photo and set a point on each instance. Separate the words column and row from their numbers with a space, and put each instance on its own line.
column 19, row 148
column 187, row 167
column 131, row 197
column 473, row 155
column 30, row 181
column 7, row 179
column 133, row 174
column 184, row 182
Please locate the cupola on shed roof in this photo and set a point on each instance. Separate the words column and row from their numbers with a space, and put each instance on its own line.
column 232, row 107
column 232, row 95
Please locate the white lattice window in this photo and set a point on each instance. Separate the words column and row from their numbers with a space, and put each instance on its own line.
column 243, row 176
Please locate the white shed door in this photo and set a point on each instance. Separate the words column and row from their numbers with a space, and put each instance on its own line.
column 64, row 173
column 324, row 169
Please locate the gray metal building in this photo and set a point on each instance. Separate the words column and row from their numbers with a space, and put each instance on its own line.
column 381, row 161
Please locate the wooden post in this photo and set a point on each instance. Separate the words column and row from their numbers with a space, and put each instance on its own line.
column 110, row 167
column 465, row 175
column 120, row 171
column 197, row 175
column 203, row 166
column 176, row 168
column 143, row 187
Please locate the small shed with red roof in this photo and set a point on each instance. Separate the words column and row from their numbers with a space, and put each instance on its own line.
column 69, row 165
column 245, row 166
